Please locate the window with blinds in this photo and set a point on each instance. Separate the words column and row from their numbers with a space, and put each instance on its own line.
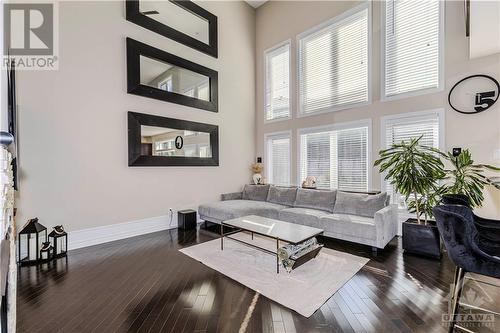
column 277, row 162
column 412, row 47
column 277, row 82
column 337, row 157
column 397, row 129
column 333, row 63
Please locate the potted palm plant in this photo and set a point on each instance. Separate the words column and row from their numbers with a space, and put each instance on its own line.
column 415, row 171
column 465, row 177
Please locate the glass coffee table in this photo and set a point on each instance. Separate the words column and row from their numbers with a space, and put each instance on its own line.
column 277, row 230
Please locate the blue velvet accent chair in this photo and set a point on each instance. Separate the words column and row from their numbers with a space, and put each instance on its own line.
column 455, row 199
column 489, row 229
column 466, row 249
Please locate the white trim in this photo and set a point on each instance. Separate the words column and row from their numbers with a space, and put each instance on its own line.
column 108, row 233
column 410, row 115
column 334, row 109
column 168, row 78
column 334, row 19
column 276, row 120
column 370, row 52
column 420, row 92
column 336, row 126
column 410, row 94
column 277, row 46
column 339, row 126
column 365, row 5
column 272, row 48
column 280, row 134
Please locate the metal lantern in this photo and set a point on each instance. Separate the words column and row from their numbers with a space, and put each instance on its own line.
column 30, row 241
column 59, row 239
column 46, row 251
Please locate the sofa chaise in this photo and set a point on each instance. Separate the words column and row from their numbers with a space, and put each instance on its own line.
column 356, row 217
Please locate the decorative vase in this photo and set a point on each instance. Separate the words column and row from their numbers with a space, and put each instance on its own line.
column 257, row 178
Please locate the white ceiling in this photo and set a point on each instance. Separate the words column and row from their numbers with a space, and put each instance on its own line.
column 255, row 3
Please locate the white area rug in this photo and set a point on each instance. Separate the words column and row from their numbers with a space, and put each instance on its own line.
column 304, row 290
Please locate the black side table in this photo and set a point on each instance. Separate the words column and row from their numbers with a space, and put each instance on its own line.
column 186, row 219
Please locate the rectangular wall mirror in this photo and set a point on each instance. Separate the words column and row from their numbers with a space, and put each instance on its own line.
column 158, row 74
column 182, row 21
column 161, row 141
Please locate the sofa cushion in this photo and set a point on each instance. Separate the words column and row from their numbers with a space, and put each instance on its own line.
column 255, row 192
column 282, row 195
column 315, row 199
column 350, row 225
column 359, row 203
column 231, row 209
column 304, row 216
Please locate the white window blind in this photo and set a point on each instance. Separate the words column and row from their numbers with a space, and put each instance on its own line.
column 277, row 162
column 399, row 129
column 412, row 46
column 338, row 158
column 204, row 92
column 277, row 83
column 333, row 64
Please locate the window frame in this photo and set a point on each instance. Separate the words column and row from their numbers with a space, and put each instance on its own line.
column 365, row 5
column 280, row 134
column 266, row 51
column 441, row 64
column 334, row 127
column 166, row 82
column 384, row 121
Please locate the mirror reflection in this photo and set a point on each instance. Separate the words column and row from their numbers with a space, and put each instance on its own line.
column 172, row 78
column 174, row 16
column 161, row 141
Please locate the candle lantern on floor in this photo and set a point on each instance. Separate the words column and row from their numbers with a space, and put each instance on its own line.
column 59, row 239
column 30, row 241
column 46, row 251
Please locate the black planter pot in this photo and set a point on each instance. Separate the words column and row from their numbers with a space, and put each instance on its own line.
column 421, row 239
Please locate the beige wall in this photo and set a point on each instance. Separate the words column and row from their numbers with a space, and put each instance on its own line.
column 73, row 124
column 278, row 21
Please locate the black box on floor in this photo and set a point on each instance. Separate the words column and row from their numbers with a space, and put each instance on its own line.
column 186, row 219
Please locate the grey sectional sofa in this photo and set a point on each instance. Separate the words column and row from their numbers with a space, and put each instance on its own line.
column 361, row 218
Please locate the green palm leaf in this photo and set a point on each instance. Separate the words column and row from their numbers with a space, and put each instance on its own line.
column 468, row 178
column 414, row 171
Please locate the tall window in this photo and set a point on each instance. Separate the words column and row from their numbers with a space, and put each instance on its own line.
column 277, row 83
column 413, row 46
column 277, row 161
column 337, row 156
column 333, row 63
column 399, row 128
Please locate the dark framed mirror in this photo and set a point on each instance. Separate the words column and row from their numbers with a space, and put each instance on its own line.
column 161, row 141
column 157, row 74
column 182, row 21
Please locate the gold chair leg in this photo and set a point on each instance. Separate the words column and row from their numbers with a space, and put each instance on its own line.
column 455, row 301
column 452, row 291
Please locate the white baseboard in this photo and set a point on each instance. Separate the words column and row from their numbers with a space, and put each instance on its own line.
column 108, row 233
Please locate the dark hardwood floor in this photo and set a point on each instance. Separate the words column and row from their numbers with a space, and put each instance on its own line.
column 144, row 284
